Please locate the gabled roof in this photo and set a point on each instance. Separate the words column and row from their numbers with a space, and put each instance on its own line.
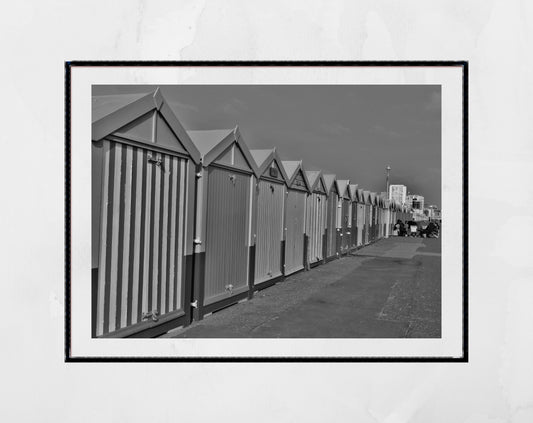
column 292, row 168
column 373, row 198
column 367, row 198
column 353, row 191
column 314, row 177
column 264, row 158
column 342, row 186
column 329, row 180
column 212, row 143
column 113, row 112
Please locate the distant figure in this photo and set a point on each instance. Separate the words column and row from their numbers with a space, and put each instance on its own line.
column 396, row 231
column 413, row 228
column 431, row 231
column 403, row 229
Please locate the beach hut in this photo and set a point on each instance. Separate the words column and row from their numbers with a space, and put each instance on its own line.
column 331, row 224
column 269, row 208
column 223, row 238
column 344, row 216
column 373, row 219
column 368, row 217
column 143, row 188
column 316, row 218
column 353, row 221
column 360, row 217
column 297, row 190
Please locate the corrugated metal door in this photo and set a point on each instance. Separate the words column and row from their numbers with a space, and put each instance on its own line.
column 360, row 223
column 332, row 229
column 294, row 235
column 354, row 224
column 316, row 222
column 345, row 240
column 141, row 237
column 226, row 253
column 270, row 199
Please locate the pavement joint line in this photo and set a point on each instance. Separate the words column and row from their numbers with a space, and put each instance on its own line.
column 380, row 314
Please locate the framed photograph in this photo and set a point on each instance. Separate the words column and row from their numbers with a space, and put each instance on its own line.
column 266, row 211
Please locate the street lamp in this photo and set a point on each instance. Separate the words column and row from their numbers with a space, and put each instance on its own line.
column 388, row 169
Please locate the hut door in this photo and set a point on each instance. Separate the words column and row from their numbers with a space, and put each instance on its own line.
column 269, row 230
column 332, row 230
column 315, row 225
column 294, row 235
column 344, row 225
column 226, row 250
column 141, row 239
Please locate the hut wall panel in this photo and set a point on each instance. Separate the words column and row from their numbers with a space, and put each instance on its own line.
column 316, row 223
column 345, row 240
column 141, row 237
column 295, row 221
column 226, row 259
column 355, row 228
column 270, row 199
column 332, row 224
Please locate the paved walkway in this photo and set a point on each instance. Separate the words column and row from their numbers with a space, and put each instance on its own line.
column 390, row 289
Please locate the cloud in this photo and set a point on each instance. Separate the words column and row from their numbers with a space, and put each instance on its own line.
column 378, row 129
column 233, row 107
column 335, row 129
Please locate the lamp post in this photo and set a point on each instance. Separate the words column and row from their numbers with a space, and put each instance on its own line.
column 388, row 168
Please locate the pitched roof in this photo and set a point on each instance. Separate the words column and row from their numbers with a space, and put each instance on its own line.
column 261, row 156
column 329, row 180
column 212, row 143
column 342, row 186
column 313, row 177
column 263, row 159
column 291, row 168
column 113, row 112
column 103, row 105
column 206, row 141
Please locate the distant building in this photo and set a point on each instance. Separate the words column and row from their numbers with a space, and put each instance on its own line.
column 398, row 193
column 432, row 212
column 415, row 201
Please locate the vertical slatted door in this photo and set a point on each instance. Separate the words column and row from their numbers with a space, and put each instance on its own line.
column 332, row 229
column 367, row 223
column 294, row 241
column 360, row 223
column 310, row 211
column 344, row 226
column 323, row 222
column 315, row 224
column 226, row 252
column 354, row 224
column 141, row 239
column 270, row 198
column 320, row 226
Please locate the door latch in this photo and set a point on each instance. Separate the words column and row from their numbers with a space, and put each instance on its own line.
column 229, row 288
column 151, row 159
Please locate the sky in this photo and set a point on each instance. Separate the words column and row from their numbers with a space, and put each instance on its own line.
column 353, row 131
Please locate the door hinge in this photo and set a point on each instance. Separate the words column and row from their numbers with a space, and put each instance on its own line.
column 194, row 304
column 154, row 314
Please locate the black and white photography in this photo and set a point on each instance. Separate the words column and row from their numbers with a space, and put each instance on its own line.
column 267, row 211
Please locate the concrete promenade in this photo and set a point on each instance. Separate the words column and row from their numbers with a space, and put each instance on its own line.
column 391, row 289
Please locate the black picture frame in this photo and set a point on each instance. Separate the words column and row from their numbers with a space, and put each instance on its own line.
column 69, row 65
